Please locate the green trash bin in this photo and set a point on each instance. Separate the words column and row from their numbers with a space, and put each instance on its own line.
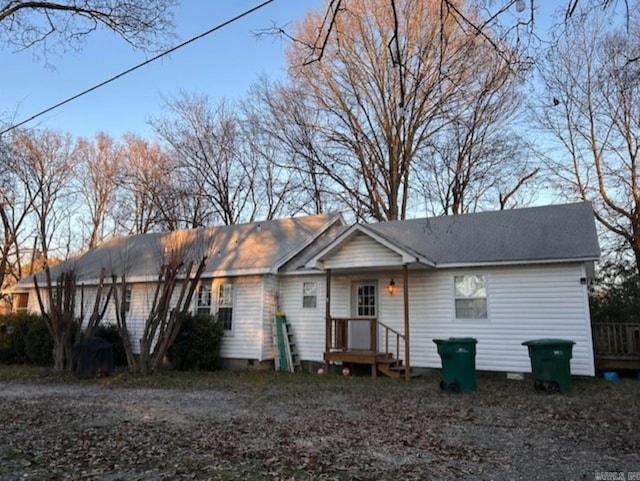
column 458, row 355
column 550, row 364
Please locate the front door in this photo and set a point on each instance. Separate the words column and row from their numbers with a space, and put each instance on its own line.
column 364, row 304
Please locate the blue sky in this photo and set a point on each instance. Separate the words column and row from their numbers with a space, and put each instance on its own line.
column 223, row 64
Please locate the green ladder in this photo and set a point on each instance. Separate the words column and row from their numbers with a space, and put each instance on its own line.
column 286, row 354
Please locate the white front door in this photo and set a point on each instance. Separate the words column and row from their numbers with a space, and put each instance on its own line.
column 364, row 303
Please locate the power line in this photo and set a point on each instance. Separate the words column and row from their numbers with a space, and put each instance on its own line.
column 140, row 65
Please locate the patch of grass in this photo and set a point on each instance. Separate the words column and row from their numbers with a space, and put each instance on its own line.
column 35, row 374
column 187, row 380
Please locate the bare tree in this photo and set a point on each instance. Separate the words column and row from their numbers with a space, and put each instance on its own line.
column 591, row 108
column 393, row 77
column 101, row 300
column 58, row 313
column 183, row 262
column 205, row 142
column 65, row 24
column 513, row 22
column 281, row 115
column 15, row 208
column 479, row 158
column 145, row 173
column 46, row 169
column 99, row 169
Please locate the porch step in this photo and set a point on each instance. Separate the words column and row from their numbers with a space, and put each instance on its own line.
column 394, row 368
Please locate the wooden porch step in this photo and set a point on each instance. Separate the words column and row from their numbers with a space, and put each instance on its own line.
column 394, row 368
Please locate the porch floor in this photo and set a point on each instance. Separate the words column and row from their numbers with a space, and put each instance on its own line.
column 358, row 356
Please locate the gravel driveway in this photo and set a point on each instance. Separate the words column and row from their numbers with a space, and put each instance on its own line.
column 342, row 429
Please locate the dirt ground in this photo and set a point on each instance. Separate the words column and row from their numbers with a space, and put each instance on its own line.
column 320, row 428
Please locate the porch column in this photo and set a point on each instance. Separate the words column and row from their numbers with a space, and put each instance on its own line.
column 327, row 317
column 407, row 338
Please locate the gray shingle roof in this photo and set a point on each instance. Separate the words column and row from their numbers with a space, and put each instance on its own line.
column 535, row 234
column 257, row 247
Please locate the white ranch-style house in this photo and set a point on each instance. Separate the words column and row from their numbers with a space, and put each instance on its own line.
column 376, row 293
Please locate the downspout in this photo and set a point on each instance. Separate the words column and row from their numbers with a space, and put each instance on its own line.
column 327, row 314
column 407, row 339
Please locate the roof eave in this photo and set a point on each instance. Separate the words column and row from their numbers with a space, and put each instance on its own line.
column 456, row 265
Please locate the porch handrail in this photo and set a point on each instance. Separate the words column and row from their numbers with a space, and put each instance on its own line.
column 398, row 335
column 339, row 331
column 616, row 340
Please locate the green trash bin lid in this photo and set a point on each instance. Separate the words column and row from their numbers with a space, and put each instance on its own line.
column 548, row 342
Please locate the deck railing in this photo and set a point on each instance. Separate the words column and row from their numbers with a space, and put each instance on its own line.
column 616, row 340
column 338, row 339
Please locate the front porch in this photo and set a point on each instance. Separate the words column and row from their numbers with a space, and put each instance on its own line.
column 386, row 358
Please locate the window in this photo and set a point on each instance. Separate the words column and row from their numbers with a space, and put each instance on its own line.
column 471, row 297
column 20, row 302
column 309, row 294
column 366, row 299
column 204, row 299
column 225, row 305
column 127, row 299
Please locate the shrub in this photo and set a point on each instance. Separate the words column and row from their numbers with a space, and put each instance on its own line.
column 197, row 345
column 15, row 332
column 109, row 332
column 617, row 295
column 39, row 343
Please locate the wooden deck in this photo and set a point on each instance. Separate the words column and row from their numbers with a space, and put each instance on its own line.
column 616, row 346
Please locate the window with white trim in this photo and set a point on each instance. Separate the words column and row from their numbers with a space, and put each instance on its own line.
column 20, row 302
column 309, row 295
column 225, row 305
column 127, row 299
column 203, row 304
column 470, row 297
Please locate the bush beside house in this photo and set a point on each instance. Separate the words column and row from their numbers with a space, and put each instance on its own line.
column 197, row 345
column 24, row 339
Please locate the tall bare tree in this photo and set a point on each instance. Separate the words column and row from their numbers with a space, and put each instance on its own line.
column 479, row 158
column 205, row 143
column 592, row 111
column 282, row 116
column 15, row 209
column 64, row 25
column 145, row 174
column 46, row 169
column 99, row 168
column 394, row 76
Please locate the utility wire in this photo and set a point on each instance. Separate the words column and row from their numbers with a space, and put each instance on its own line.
column 140, row 65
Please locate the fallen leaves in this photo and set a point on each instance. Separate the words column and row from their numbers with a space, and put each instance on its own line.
column 367, row 430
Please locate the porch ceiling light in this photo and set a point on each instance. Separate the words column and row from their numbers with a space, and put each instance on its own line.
column 391, row 288
column 520, row 6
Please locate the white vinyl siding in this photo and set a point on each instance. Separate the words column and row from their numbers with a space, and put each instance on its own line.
column 246, row 339
column 307, row 325
column 362, row 251
column 526, row 302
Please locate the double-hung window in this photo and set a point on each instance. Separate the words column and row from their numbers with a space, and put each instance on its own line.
column 127, row 299
column 470, row 297
column 20, row 302
column 204, row 299
column 225, row 305
column 309, row 294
